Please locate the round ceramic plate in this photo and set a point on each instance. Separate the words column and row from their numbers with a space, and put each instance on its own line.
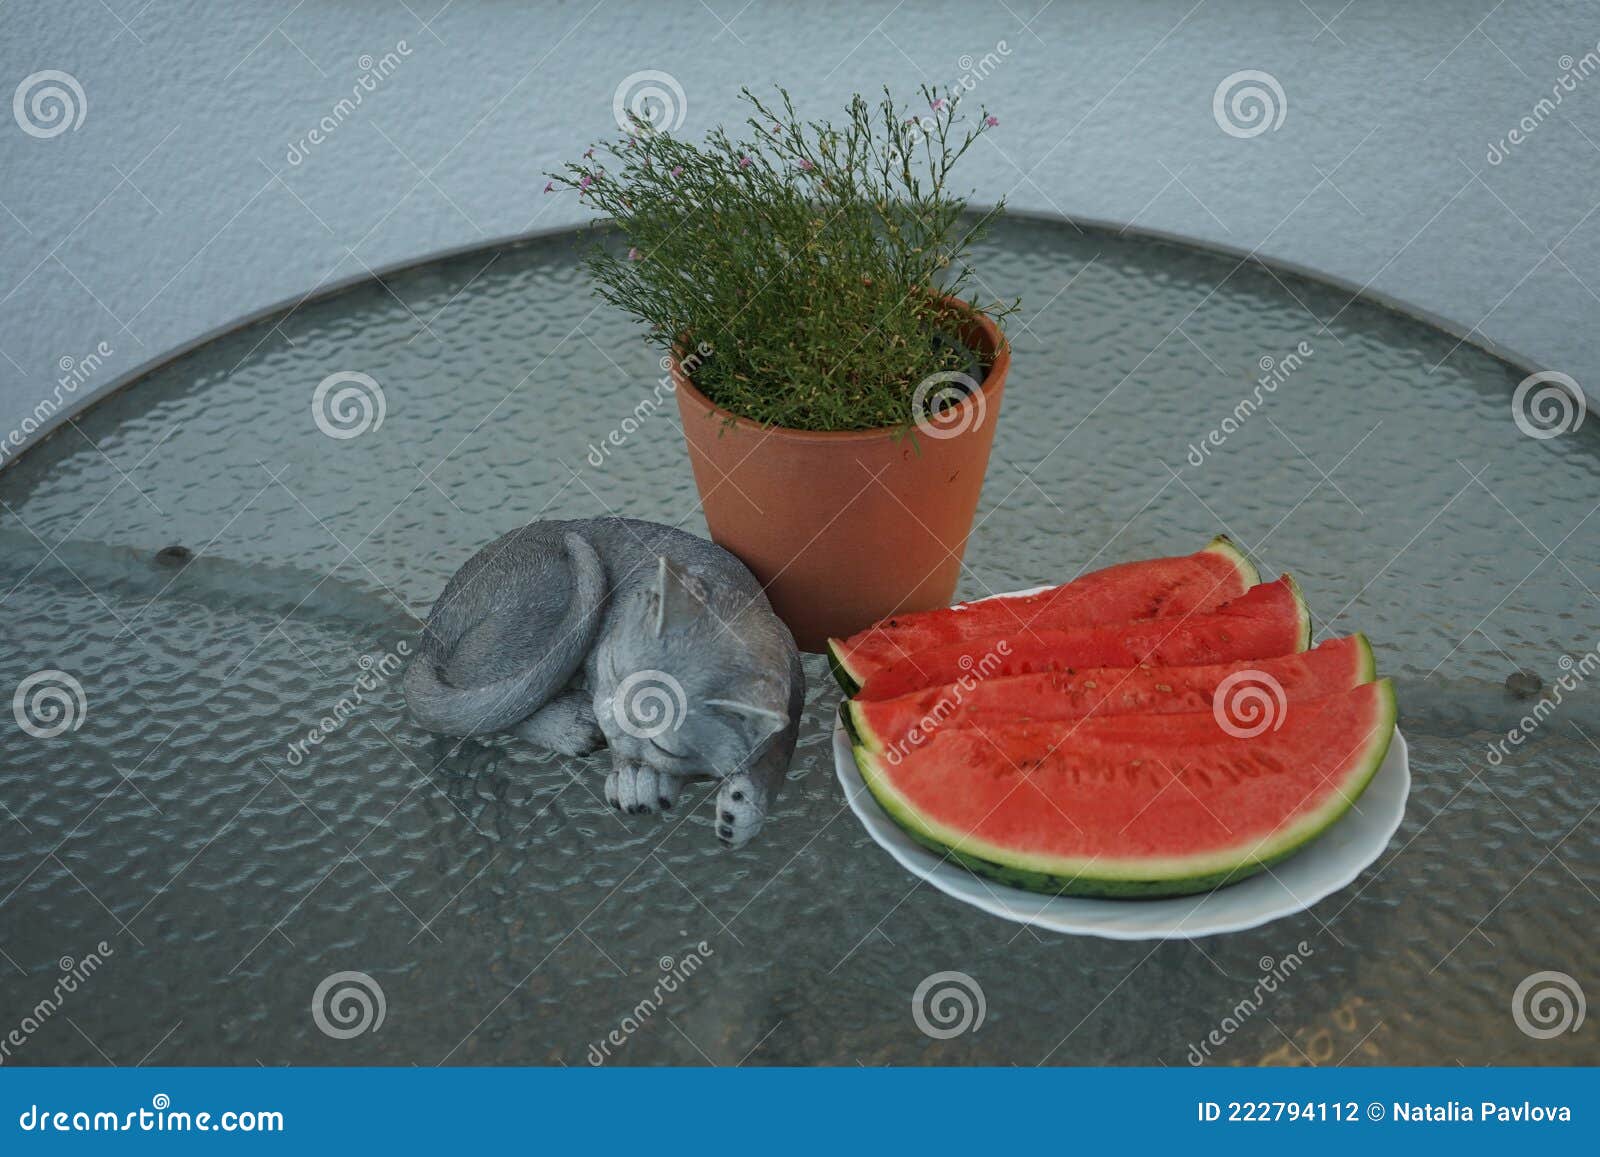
column 1328, row 864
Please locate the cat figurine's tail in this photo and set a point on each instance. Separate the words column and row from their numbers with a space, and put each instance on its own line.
column 483, row 710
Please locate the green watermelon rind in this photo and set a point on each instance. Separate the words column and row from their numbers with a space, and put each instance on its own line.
column 1206, row 872
column 1303, row 610
column 839, row 666
column 862, row 733
column 1369, row 661
column 1223, row 545
column 847, row 720
column 841, row 674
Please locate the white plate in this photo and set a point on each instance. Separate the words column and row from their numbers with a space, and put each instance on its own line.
column 1333, row 860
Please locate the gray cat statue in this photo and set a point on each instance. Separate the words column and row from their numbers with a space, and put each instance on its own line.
column 617, row 633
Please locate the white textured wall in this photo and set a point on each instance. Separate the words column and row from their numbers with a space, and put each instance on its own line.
column 173, row 209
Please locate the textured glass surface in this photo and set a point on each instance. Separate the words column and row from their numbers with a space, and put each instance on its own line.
column 509, row 916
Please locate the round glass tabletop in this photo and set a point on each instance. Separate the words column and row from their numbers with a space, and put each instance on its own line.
column 235, row 810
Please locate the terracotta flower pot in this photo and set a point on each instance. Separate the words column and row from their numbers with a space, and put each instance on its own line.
column 844, row 529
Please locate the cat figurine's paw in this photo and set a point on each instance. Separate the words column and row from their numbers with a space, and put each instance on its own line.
column 636, row 788
column 741, row 810
column 565, row 725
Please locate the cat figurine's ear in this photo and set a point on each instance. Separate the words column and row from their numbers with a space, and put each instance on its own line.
column 679, row 597
column 765, row 720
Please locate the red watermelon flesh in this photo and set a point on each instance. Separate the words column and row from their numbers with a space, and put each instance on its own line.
column 910, row 720
column 1154, row 588
column 1266, row 621
column 1078, row 808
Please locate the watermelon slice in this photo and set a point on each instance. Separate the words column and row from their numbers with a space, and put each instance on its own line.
column 1155, row 588
column 906, row 721
column 1082, row 809
column 1266, row 621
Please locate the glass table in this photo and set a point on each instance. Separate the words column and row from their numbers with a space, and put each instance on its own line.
column 224, row 569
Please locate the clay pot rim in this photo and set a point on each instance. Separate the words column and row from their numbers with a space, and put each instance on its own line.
column 992, row 338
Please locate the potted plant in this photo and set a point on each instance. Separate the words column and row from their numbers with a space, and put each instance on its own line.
column 838, row 395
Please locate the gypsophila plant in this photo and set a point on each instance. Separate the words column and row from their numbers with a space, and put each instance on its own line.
column 810, row 258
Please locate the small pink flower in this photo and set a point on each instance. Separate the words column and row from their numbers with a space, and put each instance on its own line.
column 549, row 186
column 677, row 170
column 635, row 255
column 588, row 154
column 585, row 183
column 777, row 128
column 937, row 105
column 744, row 162
column 991, row 121
column 805, row 163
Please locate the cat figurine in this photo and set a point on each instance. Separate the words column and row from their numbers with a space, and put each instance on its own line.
column 629, row 635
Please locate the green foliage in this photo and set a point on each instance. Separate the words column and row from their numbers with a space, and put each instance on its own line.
column 810, row 257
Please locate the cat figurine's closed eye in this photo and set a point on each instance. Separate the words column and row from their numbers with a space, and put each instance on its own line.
column 611, row 632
